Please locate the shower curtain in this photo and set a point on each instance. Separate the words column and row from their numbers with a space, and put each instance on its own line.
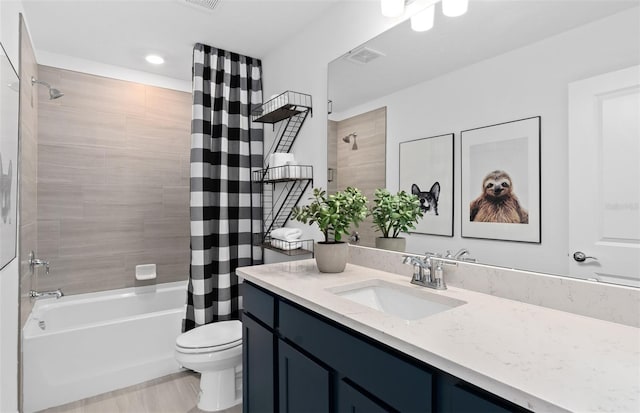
column 225, row 205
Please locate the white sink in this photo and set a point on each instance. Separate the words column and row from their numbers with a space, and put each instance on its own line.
column 404, row 302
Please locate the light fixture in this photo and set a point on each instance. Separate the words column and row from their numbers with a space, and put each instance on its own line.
column 423, row 20
column 454, row 8
column 392, row 8
column 154, row 59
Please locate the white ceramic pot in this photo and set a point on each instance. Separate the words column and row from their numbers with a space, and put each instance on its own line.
column 391, row 244
column 331, row 257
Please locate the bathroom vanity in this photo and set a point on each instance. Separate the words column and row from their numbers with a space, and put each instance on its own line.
column 312, row 342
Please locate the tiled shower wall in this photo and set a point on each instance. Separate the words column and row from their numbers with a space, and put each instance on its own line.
column 363, row 168
column 113, row 181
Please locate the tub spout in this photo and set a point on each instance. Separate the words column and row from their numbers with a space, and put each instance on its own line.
column 46, row 294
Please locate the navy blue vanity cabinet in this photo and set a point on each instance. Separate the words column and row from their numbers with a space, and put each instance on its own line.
column 303, row 384
column 396, row 382
column 353, row 400
column 457, row 396
column 296, row 360
column 258, row 372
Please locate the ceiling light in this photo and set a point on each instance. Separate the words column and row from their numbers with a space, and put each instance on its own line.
column 154, row 59
column 423, row 20
column 392, row 8
column 454, row 8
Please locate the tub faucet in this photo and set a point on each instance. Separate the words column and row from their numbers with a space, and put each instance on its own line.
column 425, row 273
column 46, row 294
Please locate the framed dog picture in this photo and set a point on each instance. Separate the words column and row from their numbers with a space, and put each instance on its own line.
column 501, row 181
column 426, row 170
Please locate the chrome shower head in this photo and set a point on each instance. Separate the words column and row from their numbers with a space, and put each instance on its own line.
column 347, row 139
column 53, row 93
column 355, row 145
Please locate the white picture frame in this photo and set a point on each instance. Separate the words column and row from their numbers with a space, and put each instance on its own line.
column 423, row 163
column 502, row 157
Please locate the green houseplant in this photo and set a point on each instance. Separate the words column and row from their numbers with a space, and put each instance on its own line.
column 393, row 214
column 334, row 214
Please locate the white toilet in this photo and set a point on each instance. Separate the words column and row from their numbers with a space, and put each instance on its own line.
column 215, row 351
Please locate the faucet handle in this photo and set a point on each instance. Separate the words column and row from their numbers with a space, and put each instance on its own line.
column 37, row 262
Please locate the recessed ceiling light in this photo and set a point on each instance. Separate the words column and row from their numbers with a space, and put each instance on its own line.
column 154, row 59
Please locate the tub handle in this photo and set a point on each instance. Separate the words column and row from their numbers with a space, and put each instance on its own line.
column 37, row 262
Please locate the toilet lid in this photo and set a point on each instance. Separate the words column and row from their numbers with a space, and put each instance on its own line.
column 220, row 334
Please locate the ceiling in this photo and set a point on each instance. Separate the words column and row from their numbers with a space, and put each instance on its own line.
column 489, row 28
column 122, row 33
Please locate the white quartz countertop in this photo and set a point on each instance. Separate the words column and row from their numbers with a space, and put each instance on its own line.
column 539, row 358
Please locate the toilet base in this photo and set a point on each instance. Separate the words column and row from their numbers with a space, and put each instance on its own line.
column 218, row 390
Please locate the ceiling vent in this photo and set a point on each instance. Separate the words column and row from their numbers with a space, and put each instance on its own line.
column 201, row 4
column 363, row 55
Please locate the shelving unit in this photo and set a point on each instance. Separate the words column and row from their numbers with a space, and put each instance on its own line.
column 283, row 186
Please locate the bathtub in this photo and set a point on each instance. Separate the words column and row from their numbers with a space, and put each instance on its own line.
column 83, row 345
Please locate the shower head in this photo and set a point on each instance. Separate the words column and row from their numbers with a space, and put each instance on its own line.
column 53, row 93
column 347, row 139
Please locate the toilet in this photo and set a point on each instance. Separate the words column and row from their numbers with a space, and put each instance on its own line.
column 215, row 351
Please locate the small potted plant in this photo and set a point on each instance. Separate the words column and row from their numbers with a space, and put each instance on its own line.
column 334, row 215
column 393, row 214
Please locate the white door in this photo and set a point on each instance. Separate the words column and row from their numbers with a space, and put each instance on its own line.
column 604, row 177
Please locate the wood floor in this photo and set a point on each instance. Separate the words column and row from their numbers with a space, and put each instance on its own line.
column 176, row 393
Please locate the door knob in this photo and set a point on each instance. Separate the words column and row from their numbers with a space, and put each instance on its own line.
column 582, row 257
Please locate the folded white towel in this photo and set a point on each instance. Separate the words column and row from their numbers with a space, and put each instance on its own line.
column 285, row 245
column 286, row 234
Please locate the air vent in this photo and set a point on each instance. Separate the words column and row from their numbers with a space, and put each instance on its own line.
column 363, row 55
column 201, row 4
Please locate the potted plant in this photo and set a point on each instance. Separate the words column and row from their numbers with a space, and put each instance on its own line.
column 393, row 214
column 334, row 215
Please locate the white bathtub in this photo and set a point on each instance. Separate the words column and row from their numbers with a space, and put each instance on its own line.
column 83, row 345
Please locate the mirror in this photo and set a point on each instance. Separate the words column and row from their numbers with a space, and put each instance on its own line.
column 502, row 61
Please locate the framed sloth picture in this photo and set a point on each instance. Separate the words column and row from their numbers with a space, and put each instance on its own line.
column 501, row 181
column 426, row 170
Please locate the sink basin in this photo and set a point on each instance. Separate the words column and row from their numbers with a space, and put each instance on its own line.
column 404, row 302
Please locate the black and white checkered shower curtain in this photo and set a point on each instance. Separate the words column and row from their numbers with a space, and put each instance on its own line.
column 225, row 204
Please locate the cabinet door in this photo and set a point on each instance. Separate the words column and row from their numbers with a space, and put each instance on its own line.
column 303, row 384
column 258, row 359
column 456, row 396
column 350, row 400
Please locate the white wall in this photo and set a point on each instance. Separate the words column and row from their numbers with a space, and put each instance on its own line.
column 9, row 36
column 113, row 72
column 527, row 82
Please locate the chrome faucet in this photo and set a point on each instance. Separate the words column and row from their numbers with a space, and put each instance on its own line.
column 37, row 262
column 461, row 255
column 46, row 294
column 424, row 273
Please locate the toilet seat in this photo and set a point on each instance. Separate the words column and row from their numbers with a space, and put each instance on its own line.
column 210, row 338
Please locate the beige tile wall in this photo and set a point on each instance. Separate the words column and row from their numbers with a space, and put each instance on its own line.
column 332, row 155
column 363, row 168
column 113, row 181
